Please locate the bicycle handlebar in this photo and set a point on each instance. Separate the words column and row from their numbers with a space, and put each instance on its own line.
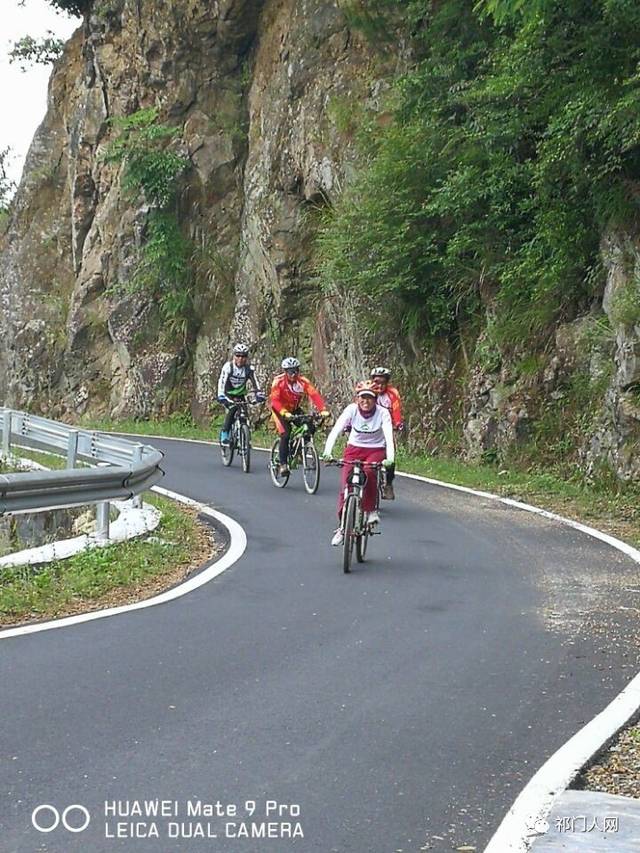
column 298, row 420
column 376, row 466
column 248, row 401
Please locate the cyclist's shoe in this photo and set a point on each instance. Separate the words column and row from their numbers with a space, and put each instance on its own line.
column 283, row 471
column 387, row 493
column 224, row 437
column 373, row 517
column 338, row 537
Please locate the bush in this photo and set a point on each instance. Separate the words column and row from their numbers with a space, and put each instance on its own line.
column 43, row 51
column 516, row 142
column 142, row 146
column 151, row 167
column 72, row 7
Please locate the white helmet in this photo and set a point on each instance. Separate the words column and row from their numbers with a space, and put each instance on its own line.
column 290, row 363
column 241, row 349
column 382, row 372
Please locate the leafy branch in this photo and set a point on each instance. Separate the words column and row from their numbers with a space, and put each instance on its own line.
column 28, row 50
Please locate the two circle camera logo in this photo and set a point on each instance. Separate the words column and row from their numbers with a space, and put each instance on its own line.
column 46, row 818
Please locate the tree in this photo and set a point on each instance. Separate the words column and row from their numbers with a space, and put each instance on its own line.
column 43, row 51
column 70, row 7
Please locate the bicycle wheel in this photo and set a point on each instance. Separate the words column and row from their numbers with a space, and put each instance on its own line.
column 349, row 523
column 227, row 450
column 274, row 467
column 310, row 468
column 245, row 447
column 363, row 539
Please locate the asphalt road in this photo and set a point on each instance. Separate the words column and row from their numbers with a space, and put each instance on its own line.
column 399, row 708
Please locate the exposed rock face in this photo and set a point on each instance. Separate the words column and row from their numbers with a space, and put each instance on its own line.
column 248, row 83
column 590, row 381
column 616, row 440
column 258, row 90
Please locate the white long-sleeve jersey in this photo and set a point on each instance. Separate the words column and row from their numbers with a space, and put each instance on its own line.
column 233, row 380
column 374, row 431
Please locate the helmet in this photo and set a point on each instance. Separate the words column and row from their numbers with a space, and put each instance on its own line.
column 365, row 389
column 290, row 363
column 241, row 349
column 382, row 372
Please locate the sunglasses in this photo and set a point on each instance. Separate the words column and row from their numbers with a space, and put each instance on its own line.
column 292, row 371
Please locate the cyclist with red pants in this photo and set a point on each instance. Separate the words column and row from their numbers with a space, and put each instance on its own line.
column 388, row 397
column 287, row 392
column 370, row 440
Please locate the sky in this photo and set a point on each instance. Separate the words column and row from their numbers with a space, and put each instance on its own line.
column 23, row 95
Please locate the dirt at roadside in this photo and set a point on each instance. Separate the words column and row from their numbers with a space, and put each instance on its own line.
column 618, row 769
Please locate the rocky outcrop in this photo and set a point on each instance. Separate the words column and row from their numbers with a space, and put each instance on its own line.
column 249, row 84
column 616, row 439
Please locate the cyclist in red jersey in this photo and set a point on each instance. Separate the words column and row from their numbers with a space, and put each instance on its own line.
column 287, row 392
column 389, row 398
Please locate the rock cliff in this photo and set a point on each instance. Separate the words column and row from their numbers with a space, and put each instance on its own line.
column 249, row 84
column 260, row 93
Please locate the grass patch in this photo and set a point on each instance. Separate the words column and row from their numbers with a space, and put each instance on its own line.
column 49, row 460
column 85, row 580
column 177, row 426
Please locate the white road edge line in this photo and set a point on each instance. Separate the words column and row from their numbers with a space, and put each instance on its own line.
column 236, row 549
column 517, row 830
column 526, row 819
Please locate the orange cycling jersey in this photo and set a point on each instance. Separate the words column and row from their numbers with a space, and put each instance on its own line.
column 286, row 397
column 390, row 399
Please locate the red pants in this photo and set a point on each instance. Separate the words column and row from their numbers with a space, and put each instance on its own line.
column 365, row 454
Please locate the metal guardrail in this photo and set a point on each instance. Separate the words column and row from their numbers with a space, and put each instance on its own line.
column 123, row 469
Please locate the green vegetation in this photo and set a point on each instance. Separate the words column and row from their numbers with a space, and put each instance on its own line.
column 515, row 144
column 152, row 168
column 178, row 425
column 46, row 459
column 27, row 50
column 625, row 305
column 72, row 7
column 54, row 588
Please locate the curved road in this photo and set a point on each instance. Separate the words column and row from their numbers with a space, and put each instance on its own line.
column 400, row 708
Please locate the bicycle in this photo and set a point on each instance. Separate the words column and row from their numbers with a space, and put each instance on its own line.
column 302, row 452
column 239, row 435
column 354, row 526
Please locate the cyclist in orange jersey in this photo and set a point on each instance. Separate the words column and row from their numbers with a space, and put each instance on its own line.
column 389, row 398
column 287, row 392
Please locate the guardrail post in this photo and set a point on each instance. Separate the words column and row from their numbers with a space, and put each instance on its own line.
column 102, row 520
column 72, row 448
column 6, row 433
column 136, row 457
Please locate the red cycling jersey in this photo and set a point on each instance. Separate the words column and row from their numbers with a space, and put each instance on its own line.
column 285, row 396
column 390, row 399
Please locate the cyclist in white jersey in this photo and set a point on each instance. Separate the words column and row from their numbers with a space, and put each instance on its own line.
column 232, row 386
column 370, row 440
